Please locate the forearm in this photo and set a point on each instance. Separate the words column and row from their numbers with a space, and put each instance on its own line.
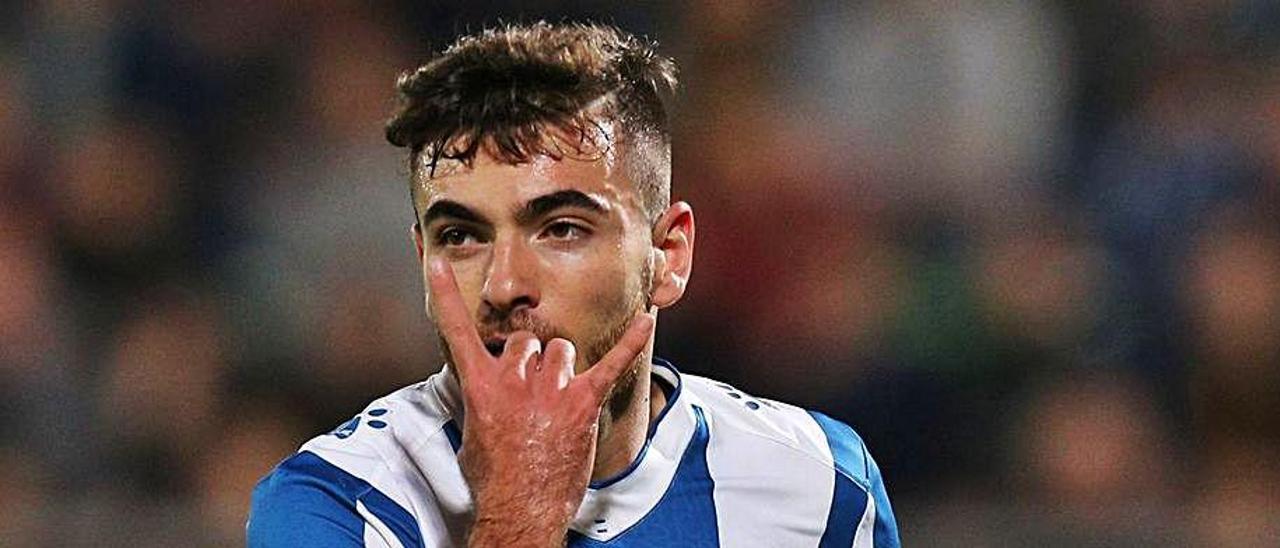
column 532, row 512
column 521, row 531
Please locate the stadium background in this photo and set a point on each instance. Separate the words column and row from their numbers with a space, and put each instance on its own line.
column 1029, row 249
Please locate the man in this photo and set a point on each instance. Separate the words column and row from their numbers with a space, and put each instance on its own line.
column 540, row 167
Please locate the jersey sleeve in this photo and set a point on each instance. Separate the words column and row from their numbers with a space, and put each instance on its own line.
column 306, row 501
column 884, row 533
column 860, row 514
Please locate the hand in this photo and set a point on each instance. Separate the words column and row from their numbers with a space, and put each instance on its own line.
column 529, row 437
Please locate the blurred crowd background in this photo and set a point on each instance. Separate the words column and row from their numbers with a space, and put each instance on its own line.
column 1030, row 249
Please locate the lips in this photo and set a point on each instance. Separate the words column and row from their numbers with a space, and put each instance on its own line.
column 494, row 335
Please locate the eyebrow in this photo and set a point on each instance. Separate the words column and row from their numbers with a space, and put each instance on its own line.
column 450, row 208
column 530, row 212
column 542, row 205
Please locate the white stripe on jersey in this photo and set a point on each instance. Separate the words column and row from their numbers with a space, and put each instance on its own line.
column 757, row 462
column 866, row 526
column 376, row 533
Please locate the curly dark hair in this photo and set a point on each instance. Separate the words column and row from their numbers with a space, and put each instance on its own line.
column 541, row 89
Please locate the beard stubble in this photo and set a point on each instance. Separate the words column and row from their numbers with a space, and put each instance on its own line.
column 617, row 321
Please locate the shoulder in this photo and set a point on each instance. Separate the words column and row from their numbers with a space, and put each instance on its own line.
column 354, row 482
column 815, row 463
column 745, row 418
column 387, row 431
column 308, row 501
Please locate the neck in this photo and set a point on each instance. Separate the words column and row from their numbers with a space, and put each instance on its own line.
column 622, row 435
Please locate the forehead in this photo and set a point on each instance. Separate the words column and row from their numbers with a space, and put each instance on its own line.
column 492, row 184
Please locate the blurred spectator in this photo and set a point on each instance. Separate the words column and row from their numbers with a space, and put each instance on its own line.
column 1038, row 281
column 27, row 498
column 951, row 104
column 160, row 393
column 27, row 298
column 70, row 54
column 1232, row 287
column 1092, row 445
column 1029, row 250
column 1236, row 505
column 255, row 437
column 118, row 202
column 14, row 120
column 328, row 264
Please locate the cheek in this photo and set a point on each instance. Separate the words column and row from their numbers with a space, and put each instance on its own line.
column 470, row 275
column 586, row 285
column 587, row 292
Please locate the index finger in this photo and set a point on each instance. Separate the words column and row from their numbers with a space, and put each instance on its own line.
column 452, row 318
column 606, row 372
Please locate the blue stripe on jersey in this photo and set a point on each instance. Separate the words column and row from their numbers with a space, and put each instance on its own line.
column 849, row 501
column 307, row 501
column 686, row 514
column 455, row 436
column 886, row 530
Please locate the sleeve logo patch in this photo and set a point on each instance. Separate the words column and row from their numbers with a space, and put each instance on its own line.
column 346, row 429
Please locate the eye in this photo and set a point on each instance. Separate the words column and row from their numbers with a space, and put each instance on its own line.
column 455, row 237
column 564, row 230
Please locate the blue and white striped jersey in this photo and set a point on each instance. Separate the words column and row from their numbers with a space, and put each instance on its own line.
column 720, row 468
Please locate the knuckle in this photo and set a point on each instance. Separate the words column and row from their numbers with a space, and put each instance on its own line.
column 561, row 347
column 597, row 386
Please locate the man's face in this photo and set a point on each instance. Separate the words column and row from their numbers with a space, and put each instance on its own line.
column 558, row 248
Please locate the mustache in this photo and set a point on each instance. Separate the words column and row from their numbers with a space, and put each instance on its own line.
column 498, row 323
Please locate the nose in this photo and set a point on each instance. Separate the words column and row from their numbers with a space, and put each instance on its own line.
column 511, row 282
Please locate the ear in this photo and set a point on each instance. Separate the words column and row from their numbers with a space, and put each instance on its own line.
column 415, row 232
column 672, row 254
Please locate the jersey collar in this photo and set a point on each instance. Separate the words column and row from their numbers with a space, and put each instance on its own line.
column 622, row 500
